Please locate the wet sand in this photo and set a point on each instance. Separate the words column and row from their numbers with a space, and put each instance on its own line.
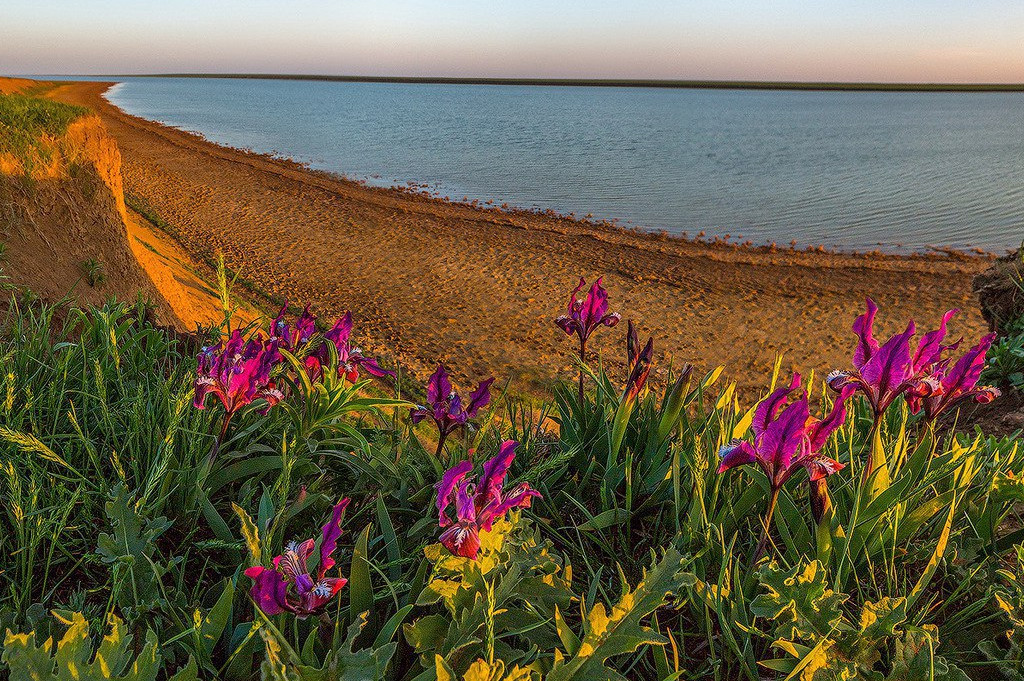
column 478, row 288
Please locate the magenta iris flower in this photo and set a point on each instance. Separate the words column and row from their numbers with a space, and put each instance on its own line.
column 883, row 372
column 350, row 358
column 786, row 439
column 583, row 317
column 293, row 336
column 924, row 376
column 950, row 386
column 478, row 503
column 446, row 407
column 238, row 373
column 289, row 586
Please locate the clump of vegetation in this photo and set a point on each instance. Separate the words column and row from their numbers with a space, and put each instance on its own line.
column 257, row 502
column 1006, row 361
column 28, row 125
column 93, row 271
column 1006, row 358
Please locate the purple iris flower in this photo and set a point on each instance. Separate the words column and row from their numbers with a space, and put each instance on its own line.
column 350, row 359
column 478, row 503
column 289, row 586
column 238, row 373
column 293, row 336
column 445, row 404
column 583, row 317
column 883, row 372
column 950, row 386
column 786, row 439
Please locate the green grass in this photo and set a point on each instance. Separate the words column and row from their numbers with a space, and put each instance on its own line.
column 26, row 122
column 110, row 507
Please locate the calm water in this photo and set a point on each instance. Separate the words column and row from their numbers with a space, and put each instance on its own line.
column 847, row 169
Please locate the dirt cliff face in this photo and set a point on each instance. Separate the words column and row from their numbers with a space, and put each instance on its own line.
column 1000, row 291
column 64, row 223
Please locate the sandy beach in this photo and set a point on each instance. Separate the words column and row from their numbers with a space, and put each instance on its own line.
column 478, row 288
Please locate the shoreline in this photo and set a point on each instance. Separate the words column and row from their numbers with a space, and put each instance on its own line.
column 477, row 286
column 679, row 84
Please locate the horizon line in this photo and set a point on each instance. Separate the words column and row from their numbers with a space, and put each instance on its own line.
column 601, row 82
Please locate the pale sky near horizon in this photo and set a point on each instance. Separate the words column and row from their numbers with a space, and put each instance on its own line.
column 855, row 40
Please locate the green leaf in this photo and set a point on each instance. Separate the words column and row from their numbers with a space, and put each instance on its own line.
column 73, row 658
column 570, row 641
column 606, row 635
column 426, row 633
column 360, row 586
column 212, row 625
column 391, row 544
column 613, row 516
column 914, row 658
column 933, row 563
column 251, row 534
column 343, row 663
column 130, row 548
column 799, row 601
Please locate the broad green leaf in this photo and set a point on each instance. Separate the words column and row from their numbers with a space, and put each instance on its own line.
column 130, row 548
column 343, row 663
column 933, row 563
column 72, row 659
column 799, row 601
column 608, row 634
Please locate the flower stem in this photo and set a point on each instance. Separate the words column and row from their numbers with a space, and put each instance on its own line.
column 869, row 467
column 767, row 523
column 220, row 438
column 442, row 436
column 583, row 355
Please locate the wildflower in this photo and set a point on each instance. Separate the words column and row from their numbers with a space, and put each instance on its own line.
column 786, row 439
column 288, row 586
column 446, row 404
column 950, row 386
column 238, row 373
column 293, row 336
column 638, row 363
column 583, row 317
column 884, row 372
column 478, row 503
column 350, row 359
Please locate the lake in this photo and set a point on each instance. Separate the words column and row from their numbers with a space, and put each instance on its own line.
column 900, row 171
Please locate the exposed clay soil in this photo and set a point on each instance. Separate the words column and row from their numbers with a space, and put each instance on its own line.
column 57, row 218
column 430, row 280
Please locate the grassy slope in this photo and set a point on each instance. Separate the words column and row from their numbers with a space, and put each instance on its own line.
column 27, row 123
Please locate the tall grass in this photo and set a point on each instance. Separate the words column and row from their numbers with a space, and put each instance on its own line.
column 29, row 124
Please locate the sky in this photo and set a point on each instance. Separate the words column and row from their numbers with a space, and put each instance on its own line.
column 801, row 40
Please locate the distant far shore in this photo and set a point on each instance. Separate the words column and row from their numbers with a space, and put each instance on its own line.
column 610, row 82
